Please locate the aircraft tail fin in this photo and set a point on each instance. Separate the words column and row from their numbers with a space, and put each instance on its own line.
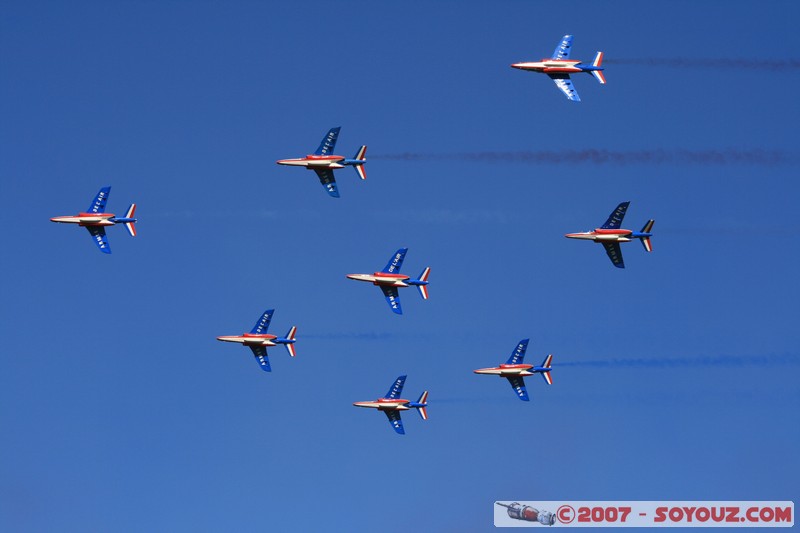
column 598, row 62
column 422, row 405
column 361, row 155
column 130, row 226
column 548, row 363
column 646, row 240
column 422, row 283
column 290, row 337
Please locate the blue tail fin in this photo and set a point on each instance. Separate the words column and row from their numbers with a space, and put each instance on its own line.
column 394, row 264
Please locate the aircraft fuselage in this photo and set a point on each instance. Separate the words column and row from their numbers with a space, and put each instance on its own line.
column 386, row 404
column 87, row 219
column 604, row 235
column 250, row 339
column 382, row 278
column 507, row 370
column 315, row 161
column 550, row 66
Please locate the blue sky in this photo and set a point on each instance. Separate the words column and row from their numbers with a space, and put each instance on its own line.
column 120, row 410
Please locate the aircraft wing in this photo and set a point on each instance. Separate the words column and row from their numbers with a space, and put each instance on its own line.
column 564, row 48
column 397, row 388
column 518, row 384
column 394, row 264
column 328, row 143
column 564, row 83
column 395, row 421
column 614, row 253
column 393, row 298
column 261, row 355
column 519, row 353
column 99, row 203
column 99, row 238
column 615, row 218
column 328, row 181
column 263, row 323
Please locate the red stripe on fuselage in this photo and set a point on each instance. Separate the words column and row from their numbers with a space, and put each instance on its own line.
column 560, row 69
column 325, row 157
column 600, row 231
column 102, row 215
column 259, row 336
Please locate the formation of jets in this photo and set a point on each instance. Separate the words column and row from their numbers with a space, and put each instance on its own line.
column 324, row 162
column 560, row 66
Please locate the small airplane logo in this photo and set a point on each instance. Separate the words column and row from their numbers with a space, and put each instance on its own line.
column 323, row 162
column 258, row 340
column 560, row 66
column 515, row 371
column 610, row 235
column 96, row 219
column 390, row 278
column 392, row 404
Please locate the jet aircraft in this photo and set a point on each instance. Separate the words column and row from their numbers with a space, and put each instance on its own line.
column 259, row 340
column 392, row 404
column 560, row 66
column 515, row 371
column 95, row 219
column 323, row 162
column 610, row 235
column 390, row 278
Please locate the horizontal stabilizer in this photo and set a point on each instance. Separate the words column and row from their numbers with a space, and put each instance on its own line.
column 423, row 287
column 290, row 345
column 130, row 226
column 422, row 405
column 548, row 363
column 361, row 171
column 648, row 228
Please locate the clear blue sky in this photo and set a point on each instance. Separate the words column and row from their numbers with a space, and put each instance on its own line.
column 121, row 412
